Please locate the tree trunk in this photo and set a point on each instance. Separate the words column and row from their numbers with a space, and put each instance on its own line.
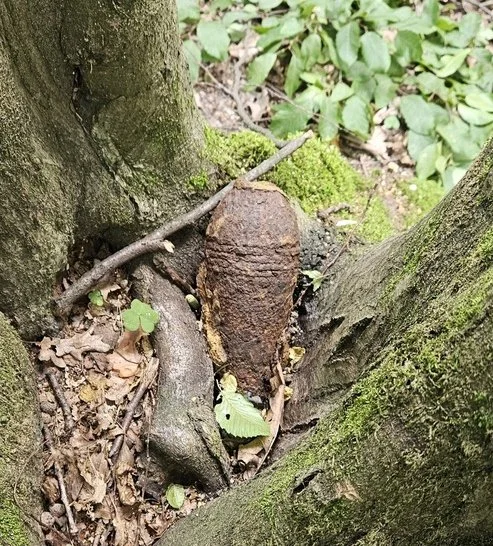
column 98, row 136
column 404, row 455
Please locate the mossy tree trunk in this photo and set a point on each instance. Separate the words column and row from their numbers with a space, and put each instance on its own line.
column 98, row 135
column 399, row 375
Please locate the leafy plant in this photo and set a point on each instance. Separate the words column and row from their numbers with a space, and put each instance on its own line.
column 342, row 61
column 96, row 298
column 237, row 415
column 140, row 316
column 175, row 495
column 316, row 278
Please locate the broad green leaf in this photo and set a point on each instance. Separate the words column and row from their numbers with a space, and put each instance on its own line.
column 311, row 48
column 289, row 118
column 347, row 43
column 259, row 69
column 192, row 53
column 417, row 114
column 96, row 298
column 341, row 92
column 239, row 417
column 293, row 72
column 356, row 116
column 271, row 37
column 146, row 324
column 385, row 90
column 269, row 4
column 315, row 276
column 291, row 27
column 407, row 47
column 228, row 382
column 429, row 84
column 131, row 320
column 414, row 23
column 358, row 71
column 453, row 63
column 175, row 495
column 214, row 39
column 431, row 11
column 481, row 101
column 458, row 137
column 416, row 143
column 328, row 123
column 188, row 10
column 375, row 52
column 392, row 122
column 474, row 116
column 453, row 176
column 440, row 115
column 364, row 89
column 426, row 164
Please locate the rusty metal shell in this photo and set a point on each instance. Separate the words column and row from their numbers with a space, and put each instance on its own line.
column 247, row 279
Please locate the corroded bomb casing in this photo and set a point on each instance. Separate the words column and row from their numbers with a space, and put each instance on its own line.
column 247, row 279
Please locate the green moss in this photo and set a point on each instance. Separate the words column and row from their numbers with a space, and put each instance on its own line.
column 376, row 225
column 12, row 530
column 422, row 196
column 484, row 249
column 199, row 181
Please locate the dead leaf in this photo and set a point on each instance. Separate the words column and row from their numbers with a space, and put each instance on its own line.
column 124, row 481
column 122, row 366
column 118, row 388
column 81, row 343
column 345, row 489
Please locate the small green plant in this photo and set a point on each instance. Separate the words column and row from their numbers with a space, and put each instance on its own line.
column 237, row 415
column 340, row 62
column 175, row 495
column 96, row 298
column 316, row 278
column 140, row 316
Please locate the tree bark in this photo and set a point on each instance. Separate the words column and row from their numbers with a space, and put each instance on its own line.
column 98, row 136
column 398, row 374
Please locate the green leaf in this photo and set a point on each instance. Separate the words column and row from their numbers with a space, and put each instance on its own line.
column 289, row 118
column 259, row 69
column 341, row 92
column 310, row 50
column 452, row 63
column 407, row 47
column 293, row 72
column 269, row 4
column 96, row 298
column 431, row 11
column 291, row 27
column 347, row 43
column 458, row 137
column 392, row 122
column 356, row 116
column 131, row 320
column 214, row 39
column 474, row 116
column 481, row 101
column 239, row 417
column 192, row 53
column 375, row 52
column 426, row 164
column 417, row 114
column 315, row 276
column 188, row 11
column 175, row 495
column 328, row 123
column 364, row 89
column 416, row 143
column 429, row 84
column 385, row 90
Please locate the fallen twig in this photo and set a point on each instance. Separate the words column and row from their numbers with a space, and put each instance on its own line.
column 145, row 382
column 61, row 484
column 154, row 240
column 62, row 401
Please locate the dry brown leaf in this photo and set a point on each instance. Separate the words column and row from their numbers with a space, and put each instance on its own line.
column 94, row 470
column 118, row 388
column 81, row 343
column 50, row 489
column 122, row 366
column 124, row 481
column 345, row 489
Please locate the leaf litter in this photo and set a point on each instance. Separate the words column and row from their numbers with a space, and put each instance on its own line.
column 99, row 367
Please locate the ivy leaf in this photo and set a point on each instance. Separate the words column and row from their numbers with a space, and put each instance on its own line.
column 259, row 69
column 375, row 52
column 193, row 55
column 238, row 416
column 348, row 42
column 426, row 164
column 453, row 63
column 214, row 39
column 289, row 118
column 417, row 114
column 175, row 495
column 356, row 116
